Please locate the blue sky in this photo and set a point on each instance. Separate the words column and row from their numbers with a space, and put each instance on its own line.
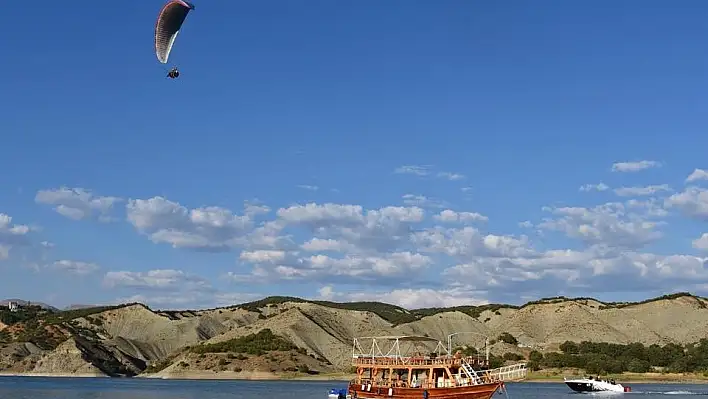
column 309, row 148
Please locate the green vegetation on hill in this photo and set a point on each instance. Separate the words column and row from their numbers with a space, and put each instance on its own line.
column 398, row 315
column 474, row 311
column 391, row 313
column 66, row 315
column 607, row 358
column 253, row 344
column 619, row 305
column 4, row 337
column 36, row 323
column 23, row 314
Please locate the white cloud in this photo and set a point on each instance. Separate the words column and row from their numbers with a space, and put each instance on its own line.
column 696, row 175
column 469, row 242
column 75, row 267
column 326, row 293
column 408, row 298
column 308, row 187
column 451, row 216
column 451, row 176
column 263, row 256
column 596, row 187
column 350, row 267
column 11, row 235
column 254, row 209
column 635, row 166
column 701, row 242
column 693, row 202
column 423, row 201
column 206, row 228
column 190, row 300
column 419, row 170
column 413, row 255
column 612, row 224
column 641, row 191
column 328, row 244
column 78, row 203
column 160, row 279
column 426, row 170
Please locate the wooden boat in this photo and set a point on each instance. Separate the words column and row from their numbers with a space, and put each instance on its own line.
column 391, row 374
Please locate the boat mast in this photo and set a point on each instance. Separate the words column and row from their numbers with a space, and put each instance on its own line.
column 486, row 343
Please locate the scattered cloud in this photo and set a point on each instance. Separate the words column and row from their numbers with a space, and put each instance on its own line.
column 450, row 216
column 423, row 201
column 420, row 254
column 642, row 191
column 613, row 224
column 692, row 202
column 205, row 228
column 11, row 235
column 451, row 176
column 170, row 288
column 160, row 279
column 308, row 187
column 74, row 267
column 418, row 170
column 696, row 175
column 594, row 187
column 192, row 300
column 78, row 203
column 427, row 170
column 634, row 166
column 701, row 242
column 408, row 298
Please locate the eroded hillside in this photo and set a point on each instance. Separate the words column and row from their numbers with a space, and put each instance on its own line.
column 315, row 336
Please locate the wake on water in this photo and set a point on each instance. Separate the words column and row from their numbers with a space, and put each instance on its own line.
column 648, row 393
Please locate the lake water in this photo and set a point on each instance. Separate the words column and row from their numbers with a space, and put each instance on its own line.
column 105, row 388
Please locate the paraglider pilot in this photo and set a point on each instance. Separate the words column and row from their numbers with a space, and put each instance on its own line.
column 173, row 73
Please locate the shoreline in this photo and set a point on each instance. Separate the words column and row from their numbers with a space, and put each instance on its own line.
column 206, row 375
column 53, row 375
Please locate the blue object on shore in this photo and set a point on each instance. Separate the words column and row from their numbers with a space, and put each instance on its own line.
column 338, row 393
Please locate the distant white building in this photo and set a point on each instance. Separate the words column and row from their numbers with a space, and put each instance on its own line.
column 13, row 306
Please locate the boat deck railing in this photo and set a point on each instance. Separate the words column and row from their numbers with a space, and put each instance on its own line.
column 515, row 372
column 399, row 361
column 427, row 384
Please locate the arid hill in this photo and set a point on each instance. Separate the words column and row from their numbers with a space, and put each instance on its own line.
column 285, row 335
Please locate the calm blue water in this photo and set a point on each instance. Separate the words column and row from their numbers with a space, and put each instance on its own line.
column 92, row 388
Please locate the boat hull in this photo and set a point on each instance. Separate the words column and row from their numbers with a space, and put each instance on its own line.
column 483, row 391
column 595, row 386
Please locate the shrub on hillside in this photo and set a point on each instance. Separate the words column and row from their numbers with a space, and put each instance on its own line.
column 254, row 344
column 603, row 357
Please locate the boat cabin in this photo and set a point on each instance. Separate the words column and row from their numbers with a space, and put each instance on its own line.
column 426, row 364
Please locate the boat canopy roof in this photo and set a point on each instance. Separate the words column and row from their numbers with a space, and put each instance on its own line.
column 410, row 338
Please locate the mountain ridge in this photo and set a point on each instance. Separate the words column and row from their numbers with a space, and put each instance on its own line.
column 133, row 339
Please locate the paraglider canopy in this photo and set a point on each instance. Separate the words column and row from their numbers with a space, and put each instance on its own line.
column 169, row 22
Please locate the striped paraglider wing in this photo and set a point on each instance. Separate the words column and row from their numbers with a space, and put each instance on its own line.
column 168, row 24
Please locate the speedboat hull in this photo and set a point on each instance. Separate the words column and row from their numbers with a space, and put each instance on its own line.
column 588, row 385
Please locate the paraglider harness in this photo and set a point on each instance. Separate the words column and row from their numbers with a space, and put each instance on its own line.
column 173, row 73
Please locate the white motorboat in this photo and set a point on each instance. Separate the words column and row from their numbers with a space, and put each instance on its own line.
column 589, row 384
